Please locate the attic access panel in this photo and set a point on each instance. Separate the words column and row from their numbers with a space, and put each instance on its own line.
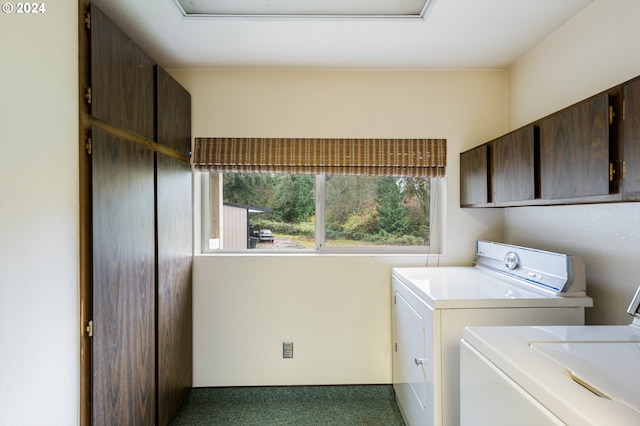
column 304, row 9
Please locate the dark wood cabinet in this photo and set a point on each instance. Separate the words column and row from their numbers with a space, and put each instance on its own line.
column 122, row 89
column 175, row 346
column 513, row 166
column 138, row 219
column 474, row 176
column 574, row 151
column 174, row 210
column 174, row 113
column 123, row 275
column 586, row 153
column 631, row 140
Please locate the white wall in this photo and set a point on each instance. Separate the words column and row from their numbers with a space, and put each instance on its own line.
column 335, row 309
column 39, row 343
column 597, row 50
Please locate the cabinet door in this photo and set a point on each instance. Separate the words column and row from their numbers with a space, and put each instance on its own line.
column 574, row 151
column 513, row 176
column 174, row 215
column 122, row 79
column 474, row 178
column 174, row 113
column 123, row 278
column 631, row 135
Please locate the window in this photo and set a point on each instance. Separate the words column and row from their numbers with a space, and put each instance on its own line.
column 322, row 194
column 252, row 211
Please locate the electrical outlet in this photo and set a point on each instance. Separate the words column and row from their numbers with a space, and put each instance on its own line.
column 287, row 349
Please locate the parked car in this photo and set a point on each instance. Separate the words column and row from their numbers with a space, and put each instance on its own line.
column 265, row 235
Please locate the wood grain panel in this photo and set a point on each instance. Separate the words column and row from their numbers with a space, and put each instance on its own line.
column 474, row 185
column 122, row 79
column 631, row 135
column 174, row 113
column 123, row 353
column 574, row 151
column 513, row 176
column 175, row 242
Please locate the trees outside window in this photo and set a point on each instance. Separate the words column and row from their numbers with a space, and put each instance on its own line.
column 354, row 212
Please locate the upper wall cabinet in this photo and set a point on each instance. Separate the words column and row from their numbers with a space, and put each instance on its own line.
column 586, row 153
column 174, row 113
column 122, row 90
column 474, row 167
column 513, row 174
column 631, row 138
column 574, row 151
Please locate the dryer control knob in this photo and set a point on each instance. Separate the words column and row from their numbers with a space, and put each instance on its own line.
column 511, row 260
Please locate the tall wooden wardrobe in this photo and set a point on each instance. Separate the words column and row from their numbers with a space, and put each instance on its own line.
column 136, row 231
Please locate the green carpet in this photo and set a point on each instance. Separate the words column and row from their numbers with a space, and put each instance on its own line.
column 366, row 405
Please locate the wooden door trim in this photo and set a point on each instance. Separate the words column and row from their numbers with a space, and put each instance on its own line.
column 85, row 252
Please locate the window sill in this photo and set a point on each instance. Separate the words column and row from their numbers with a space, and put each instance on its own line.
column 316, row 253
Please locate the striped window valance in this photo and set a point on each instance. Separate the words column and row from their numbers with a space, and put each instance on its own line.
column 373, row 157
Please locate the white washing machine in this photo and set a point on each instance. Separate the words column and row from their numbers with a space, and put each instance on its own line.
column 509, row 285
column 552, row 375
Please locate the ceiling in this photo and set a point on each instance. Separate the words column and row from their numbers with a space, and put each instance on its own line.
column 454, row 34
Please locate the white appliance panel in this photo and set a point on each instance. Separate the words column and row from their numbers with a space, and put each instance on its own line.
column 413, row 357
column 482, row 378
column 454, row 322
column 411, row 324
column 584, row 375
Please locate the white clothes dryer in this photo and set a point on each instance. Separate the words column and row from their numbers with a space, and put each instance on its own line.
column 508, row 285
column 552, row 375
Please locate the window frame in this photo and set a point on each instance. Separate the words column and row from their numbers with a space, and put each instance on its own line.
column 436, row 213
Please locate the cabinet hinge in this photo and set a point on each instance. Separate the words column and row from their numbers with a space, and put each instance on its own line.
column 87, row 20
column 617, row 171
column 87, row 95
column 89, row 328
column 612, row 172
column 87, row 146
column 612, row 114
column 395, row 302
column 395, row 347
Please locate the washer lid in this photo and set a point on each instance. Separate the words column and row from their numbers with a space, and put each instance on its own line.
column 608, row 369
column 548, row 362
